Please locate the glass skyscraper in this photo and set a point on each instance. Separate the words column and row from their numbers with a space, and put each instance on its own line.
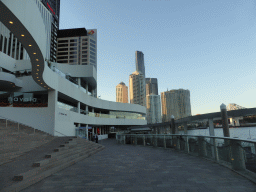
column 139, row 62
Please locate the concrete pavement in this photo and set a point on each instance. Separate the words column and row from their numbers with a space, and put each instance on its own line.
column 138, row 168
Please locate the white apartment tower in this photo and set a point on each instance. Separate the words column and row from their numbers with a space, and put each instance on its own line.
column 176, row 103
column 153, row 109
column 137, row 88
column 122, row 93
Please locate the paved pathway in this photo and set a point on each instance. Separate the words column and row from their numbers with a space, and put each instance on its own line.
column 138, row 168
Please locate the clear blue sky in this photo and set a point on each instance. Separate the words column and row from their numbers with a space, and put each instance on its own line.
column 206, row 46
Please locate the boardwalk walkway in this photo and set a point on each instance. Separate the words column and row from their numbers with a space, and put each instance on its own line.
column 137, row 168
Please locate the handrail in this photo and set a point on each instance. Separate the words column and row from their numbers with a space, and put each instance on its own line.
column 236, row 139
column 15, row 121
column 60, row 133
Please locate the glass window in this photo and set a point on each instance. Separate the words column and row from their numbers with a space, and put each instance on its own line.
column 63, row 49
column 63, row 41
column 72, row 61
column 84, row 52
column 72, row 56
column 92, row 45
column 62, row 45
column 92, row 41
column 62, row 53
column 63, row 57
column 92, row 57
column 73, row 52
column 73, row 40
column 73, row 44
column 84, row 39
column 73, row 48
column 92, row 53
column 63, row 61
column 92, row 49
column 84, row 56
column 84, row 47
column 84, row 60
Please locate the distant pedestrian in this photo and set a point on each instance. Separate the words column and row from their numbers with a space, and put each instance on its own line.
column 97, row 139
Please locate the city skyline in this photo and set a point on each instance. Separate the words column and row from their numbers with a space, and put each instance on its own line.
column 206, row 47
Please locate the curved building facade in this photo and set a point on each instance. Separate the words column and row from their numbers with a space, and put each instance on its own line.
column 53, row 97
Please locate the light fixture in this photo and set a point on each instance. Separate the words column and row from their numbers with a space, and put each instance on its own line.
column 38, row 65
column 10, row 22
column 37, row 60
column 37, row 77
column 44, row 86
column 22, row 35
column 37, row 73
column 38, row 80
column 41, row 83
column 34, row 53
column 29, row 45
column 37, row 69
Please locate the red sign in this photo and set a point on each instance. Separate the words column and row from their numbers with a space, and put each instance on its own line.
column 50, row 8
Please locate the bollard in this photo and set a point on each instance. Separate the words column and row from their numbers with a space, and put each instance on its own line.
column 238, row 161
column 215, row 151
column 144, row 142
column 186, row 144
column 201, row 147
column 224, row 118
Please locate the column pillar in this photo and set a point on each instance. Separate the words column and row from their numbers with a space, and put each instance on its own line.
column 87, row 109
column 11, row 44
column 202, row 147
column 87, row 88
column 15, row 50
column 224, row 117
column 87, row 136
column 79, row 82
column 164, row 142
column 78, row 106
column 186, row 137
column 172, row 124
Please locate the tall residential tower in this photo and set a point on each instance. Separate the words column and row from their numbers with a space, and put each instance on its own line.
column 137, row 88
column 177, row 103
column 122, row 93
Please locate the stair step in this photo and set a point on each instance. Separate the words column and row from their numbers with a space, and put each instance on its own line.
column 48, row 166
column 34, row 179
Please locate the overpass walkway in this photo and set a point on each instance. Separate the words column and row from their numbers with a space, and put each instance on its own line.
column 138, row 168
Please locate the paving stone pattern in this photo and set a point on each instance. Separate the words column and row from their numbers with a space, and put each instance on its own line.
column 137, row 168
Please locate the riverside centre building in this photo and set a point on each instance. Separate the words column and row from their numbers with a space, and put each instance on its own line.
column 56, row 98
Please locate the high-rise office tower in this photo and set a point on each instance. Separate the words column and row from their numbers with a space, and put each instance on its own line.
column 153, row 109
column 53, row 7
column 137, row 88
column 151, row 86
column 139, row 62
column 177, row 103
column 122, row 93
column 78, row 47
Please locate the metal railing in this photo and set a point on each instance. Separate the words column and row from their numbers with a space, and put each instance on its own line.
column 237, row 154
column 6, row 123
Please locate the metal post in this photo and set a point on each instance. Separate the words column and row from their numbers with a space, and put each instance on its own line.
column 211, row 131
column 238, row 161
column 186, row 144
column 172, row 124
column 215, row 151
column 202, row 147
column 6, row 123
column 18, row 127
